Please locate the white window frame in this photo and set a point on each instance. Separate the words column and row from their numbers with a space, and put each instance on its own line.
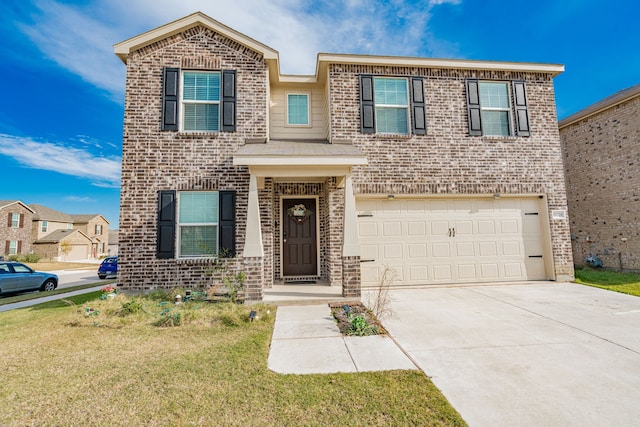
column 98, row 229
column 15, row 220
column 180, row 225
column 13, row 247
column 508, row 109
column 406, row 106
column 299, row 93
column 189, row 102
column 44, row 226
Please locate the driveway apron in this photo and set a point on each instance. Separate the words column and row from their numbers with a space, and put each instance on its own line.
column 536, row 354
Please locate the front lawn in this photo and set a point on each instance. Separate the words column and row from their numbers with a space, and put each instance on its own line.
column 86, row 361
column 626, row 283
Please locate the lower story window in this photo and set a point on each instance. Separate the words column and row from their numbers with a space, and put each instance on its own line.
column 13, row 247
column 197, row 223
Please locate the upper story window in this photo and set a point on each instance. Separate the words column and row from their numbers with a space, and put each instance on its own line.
column 98, row 229
column 298, row 109
column 44, row 226
column 14, row 220
column 495, row 108
column 392, row 105
column 69, row 226
column 197, row 223
column 490, row 108
column 199, row 101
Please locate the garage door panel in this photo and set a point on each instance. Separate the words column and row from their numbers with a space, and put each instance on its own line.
column 486, row 227
column 509, row 226
column 392, row 229
column 513, row 270
column 486, row 249
column 367, row 229
column 417, row 228
column 467, row 271
column 392, row 251
column 489, row 271
column 440, row 250
column 442, row 272
column 511, row 248
column 417, row 251
column 465, row 249
column 439, row 228
column 418, row 274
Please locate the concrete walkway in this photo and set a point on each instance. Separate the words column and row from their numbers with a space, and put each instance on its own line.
column 306, row 340
column 541, row 354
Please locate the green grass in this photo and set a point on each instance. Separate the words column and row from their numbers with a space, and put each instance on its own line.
column 626, row 283
column 63, row 367
column 35, row 295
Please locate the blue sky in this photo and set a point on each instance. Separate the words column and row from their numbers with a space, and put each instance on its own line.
column 61, row 121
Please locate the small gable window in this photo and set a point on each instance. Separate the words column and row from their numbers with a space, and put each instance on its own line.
column 298, row 109
column 14, row 220
column 45, row 226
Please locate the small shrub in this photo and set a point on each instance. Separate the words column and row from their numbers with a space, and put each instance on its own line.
column 32, row 257
column 132, row 306
column 169, row 317
column 360, row 327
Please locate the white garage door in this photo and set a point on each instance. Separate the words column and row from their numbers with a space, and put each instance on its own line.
column 434, row 241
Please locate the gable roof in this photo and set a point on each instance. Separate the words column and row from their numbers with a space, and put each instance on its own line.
column 85, row 218
column 124, row 48
column 608, row 102
column 7, row 203
column 43, row 213
column 271, row 56
column 59, row 235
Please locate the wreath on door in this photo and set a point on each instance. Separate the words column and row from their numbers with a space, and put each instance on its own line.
column 299, row 213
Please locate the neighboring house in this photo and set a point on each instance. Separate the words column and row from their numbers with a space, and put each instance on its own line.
column 601, row 145
column 86, row 236
column 113, row 243
column 15, row 228
column 96, row 227
column 415, row 171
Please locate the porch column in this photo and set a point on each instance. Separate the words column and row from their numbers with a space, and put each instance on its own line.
column 351, row 245
column 253, row 239
column 351, row 279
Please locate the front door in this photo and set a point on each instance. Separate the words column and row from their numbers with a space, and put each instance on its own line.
column 299, row 240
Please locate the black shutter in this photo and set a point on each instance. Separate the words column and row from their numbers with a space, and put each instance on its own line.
column 19, row 248
column 418, row 114
column 7, row 247
column 10, row 220
column 21, row 221
column 166, row 224
column 473, row 107
column 170, row 88
column 227, row 223
column 522, row 112
column 228, row 101
column 367, row 105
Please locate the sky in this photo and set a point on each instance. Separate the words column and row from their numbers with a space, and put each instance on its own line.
column 61, row 122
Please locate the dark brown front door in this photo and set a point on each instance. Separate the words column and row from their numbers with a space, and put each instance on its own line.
column 299, row 248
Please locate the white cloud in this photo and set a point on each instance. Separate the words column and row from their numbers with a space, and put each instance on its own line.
column 56, row 157
column 80, row 37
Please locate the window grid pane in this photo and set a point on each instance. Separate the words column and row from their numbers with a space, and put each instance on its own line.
column 297, row 109
column 15, row 220
column 388, row 91
column 391, row 120
column 202, row 117
column 201, row 86
column 199, row 240
column 494, row 95
column 197, row 207
column 13, row 247
column 495, row 123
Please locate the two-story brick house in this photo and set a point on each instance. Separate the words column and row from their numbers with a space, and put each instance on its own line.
column 601, row 144
column 15, row 227
column 439, row 171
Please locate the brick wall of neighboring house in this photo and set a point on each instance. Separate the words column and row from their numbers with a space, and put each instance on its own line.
column 447, row 160
column 21, row 234
column 602, row 160
column 155, row 160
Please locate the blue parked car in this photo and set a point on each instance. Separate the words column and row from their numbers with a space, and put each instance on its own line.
column 17, row 277
column 109, row 267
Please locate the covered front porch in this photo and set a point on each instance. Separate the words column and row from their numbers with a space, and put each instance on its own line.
column 301, row 219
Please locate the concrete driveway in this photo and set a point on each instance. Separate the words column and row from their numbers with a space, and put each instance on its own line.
column 536, row 354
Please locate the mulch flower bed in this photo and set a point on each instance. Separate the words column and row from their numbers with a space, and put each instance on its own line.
column 356, row 309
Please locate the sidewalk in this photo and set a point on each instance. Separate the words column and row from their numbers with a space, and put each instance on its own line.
column 29, row 303
column 306, row 340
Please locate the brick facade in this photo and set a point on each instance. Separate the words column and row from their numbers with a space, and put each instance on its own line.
column 602, row 161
